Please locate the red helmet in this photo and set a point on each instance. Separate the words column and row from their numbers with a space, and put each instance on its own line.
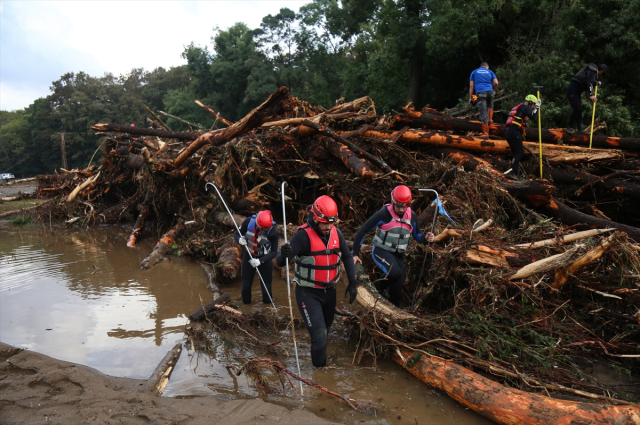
column 264, row 219
column 325, row 209
column 401, row 196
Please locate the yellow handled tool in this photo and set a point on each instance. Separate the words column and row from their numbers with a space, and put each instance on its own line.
column 539, row 129
column 593, row 117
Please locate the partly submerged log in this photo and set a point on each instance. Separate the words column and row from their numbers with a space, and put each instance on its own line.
column 160, row 377
column 212, row 278
column 161, row 250
column 203, row 311
column 253, row 119
column 549, row 135
column 141, row 131
column 505, row 405
column 140, row 221
column 229, row 259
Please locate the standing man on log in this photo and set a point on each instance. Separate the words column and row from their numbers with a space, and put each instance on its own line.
column 318, row 247
column 516, row 122
column 261, row 237
column 484, row 82
column 395, row 223
column 584, row 81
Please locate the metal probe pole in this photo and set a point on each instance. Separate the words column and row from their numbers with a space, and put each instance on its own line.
column 245, row 247
column 539, row 129
column 433, row 223
column 286, row 260
column 593, row 116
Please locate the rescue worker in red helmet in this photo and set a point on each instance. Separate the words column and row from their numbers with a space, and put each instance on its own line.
column 394, row 224
column 262, row 238
column 318, row 248
column 517, row 120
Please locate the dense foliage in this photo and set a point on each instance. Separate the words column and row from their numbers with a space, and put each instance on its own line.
column 391, row 50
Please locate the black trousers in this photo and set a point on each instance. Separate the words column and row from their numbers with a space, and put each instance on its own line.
column 514, row 138
column 317, row 307
column 248, row 273
column 574, row 93
column 393, row 277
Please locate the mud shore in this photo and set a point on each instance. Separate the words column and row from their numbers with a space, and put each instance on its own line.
column 35, row 388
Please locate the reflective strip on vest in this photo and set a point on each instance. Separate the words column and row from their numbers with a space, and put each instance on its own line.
column 512, row 119
column 321, row 268
column 258, row 245
column 394, row 236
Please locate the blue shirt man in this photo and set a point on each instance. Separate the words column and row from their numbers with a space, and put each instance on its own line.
column 483, row 81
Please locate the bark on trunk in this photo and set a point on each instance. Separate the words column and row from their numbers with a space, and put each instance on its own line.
column 549, row 135
column 229, row 259
column 505, row 405
column 554, row 153
column 252, row 120
column 540, row 196
column 161, row 250
column 141, row 131
column 355, row 148
column 356, row 165
column 202, row 312
column 140, row 222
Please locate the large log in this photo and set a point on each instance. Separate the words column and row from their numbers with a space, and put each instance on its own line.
column 202, row 312
column 539, row 194
column 356, row 165
column 253, row 119
column 141, row 131
column 229, row 259
column 355, row 148
column 505, row 405
column 551, row 153
column 549, row 135
column 160, row 251
column 616, row 186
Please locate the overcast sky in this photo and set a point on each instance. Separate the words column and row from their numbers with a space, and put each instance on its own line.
column 40, row 41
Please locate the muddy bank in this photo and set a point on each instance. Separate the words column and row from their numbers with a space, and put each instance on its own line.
column 36, row 388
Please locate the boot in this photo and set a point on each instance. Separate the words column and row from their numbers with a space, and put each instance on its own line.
column 485, row 131
column 490, row 112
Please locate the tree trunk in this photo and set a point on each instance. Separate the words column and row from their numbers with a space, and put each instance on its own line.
column 202, row 312
column 120, row 128
column 142, row 218
column 554, row 154
column 505, row 405
column 161, row 250
column 549, row 135
column 253, row 119
column 229, row 259
column 357, row 166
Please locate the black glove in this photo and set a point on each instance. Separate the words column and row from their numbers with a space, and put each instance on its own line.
column 351, row 292
column 285, row 250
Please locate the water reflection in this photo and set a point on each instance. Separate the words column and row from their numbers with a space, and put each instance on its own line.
column 79, row 296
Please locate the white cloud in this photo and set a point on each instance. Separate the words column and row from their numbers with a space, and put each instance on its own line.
column 39, row 41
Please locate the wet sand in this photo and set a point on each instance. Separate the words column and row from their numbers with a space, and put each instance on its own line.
column 35, row 388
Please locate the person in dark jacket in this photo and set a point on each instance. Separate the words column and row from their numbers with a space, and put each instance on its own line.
column 584, row 81
column 395, row 223
column 318, row 248
column 261, row 237
column 516, row 122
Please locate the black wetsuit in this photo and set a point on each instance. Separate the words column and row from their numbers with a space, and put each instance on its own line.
column 266, row 268
column 583, row 81
column 317, row 306
column 513, row 134
column 391, row 263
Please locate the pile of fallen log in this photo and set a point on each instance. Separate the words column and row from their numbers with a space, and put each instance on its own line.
column 547, row 286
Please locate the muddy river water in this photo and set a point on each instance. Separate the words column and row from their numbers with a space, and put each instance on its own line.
column 78, row 295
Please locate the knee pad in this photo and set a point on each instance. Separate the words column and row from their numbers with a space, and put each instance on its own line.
column 319, row 347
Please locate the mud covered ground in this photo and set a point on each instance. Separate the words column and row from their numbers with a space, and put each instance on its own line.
column 35, row 388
